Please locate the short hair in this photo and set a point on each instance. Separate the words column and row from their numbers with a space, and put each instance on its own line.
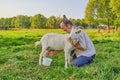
column 66, row 21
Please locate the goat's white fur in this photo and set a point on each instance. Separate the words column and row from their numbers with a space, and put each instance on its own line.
column 56, row 42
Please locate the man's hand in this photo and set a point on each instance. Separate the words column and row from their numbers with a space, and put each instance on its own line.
column 50, row 54
column 78, row 46
column 71, row 42
column 54, row 53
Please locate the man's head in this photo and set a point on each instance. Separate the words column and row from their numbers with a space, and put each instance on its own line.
column 66, row 25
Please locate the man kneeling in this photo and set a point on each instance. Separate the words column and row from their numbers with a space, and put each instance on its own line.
column 85, row 46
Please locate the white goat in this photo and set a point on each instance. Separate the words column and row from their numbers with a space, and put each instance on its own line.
column 57, row 42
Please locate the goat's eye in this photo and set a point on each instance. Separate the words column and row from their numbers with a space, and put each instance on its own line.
column 78, row 32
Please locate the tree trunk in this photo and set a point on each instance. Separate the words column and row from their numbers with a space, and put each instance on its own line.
column 108, row 27
column 113, row 29
column 116, row 28
column 98, row 29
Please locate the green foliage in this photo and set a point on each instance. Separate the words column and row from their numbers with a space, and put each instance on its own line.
column 58, row 20
column 51, row 22
column 100, row 12
column 5, row 22
column 13, row 22
column 38, row 21
column 89, row 12
column 19, row 58
column 77, row 22
column 115, row 5
column 21, row 21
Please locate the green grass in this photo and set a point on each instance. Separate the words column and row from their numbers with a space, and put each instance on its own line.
column 19, row 58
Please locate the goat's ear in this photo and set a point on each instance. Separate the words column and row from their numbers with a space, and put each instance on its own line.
column 78, row 32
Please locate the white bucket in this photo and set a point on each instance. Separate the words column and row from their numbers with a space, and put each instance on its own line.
column 46, row 61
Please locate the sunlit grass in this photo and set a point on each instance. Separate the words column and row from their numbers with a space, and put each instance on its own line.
column 19, row 58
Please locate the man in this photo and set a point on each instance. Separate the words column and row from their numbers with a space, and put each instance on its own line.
column 86, row 48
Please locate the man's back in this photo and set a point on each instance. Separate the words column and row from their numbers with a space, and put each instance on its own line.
column 87, row 44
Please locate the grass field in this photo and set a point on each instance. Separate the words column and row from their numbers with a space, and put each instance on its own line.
column 19, row 58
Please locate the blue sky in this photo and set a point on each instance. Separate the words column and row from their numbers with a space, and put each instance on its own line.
column 71, row 8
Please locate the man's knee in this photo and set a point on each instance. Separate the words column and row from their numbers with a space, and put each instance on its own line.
column 78, row 63
column 81, row 61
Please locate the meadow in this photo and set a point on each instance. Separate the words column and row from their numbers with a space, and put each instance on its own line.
column 19, row 58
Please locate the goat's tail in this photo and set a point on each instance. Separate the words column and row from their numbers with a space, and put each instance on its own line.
column 37, row 43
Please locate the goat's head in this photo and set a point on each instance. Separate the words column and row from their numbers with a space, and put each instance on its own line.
column 74, row 33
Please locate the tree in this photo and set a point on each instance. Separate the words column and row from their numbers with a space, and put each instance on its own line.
column 99, row 12
column 58, row 20
column 76, row 22
column 90, row 12
column 38, row 21
column 51, row 22
column 5, row 22
column 2, row 22
column 83, row 23
column 13, row 22
column 27, row 22
column 115, row 5
column 21, row 21
column 105, row 13
column 73, row 21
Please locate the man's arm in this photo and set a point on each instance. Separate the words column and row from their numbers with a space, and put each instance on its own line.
column 54, row 53
column 78, row 46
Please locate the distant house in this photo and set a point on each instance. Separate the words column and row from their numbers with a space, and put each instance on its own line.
column 101, row 26
column 90, row 27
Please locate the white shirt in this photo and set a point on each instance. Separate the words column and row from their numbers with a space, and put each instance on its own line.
column 87, row 44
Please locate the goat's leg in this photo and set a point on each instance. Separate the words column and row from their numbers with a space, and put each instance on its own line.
column 66, row 59
column 42, row 54
column 46, row 51
column 69, row 59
